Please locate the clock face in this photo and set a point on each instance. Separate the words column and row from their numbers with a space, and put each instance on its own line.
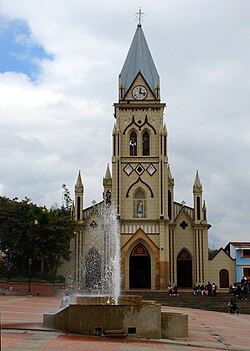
column 139, row 92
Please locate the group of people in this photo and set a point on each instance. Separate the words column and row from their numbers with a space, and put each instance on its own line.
column 173, row 291
column 208, row 289
column 239, row 290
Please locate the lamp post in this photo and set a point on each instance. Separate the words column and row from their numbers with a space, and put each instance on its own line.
column 30, row 264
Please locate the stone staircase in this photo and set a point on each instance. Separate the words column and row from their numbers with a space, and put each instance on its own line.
column 188, row 300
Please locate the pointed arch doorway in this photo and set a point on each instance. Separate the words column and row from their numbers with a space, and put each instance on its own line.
column 184, row 269
column 139, row 268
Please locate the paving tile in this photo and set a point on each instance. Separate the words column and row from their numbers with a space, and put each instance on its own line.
column 207, row 331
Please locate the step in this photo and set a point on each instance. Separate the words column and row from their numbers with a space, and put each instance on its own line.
column 188, row 300
column 114, row 334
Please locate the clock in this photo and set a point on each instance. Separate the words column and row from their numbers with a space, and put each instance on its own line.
column 139, row 92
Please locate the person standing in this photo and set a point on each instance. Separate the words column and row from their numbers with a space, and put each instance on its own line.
column 233, row 306
column 65, row 300
column 214, row 288
column 209, row 289
column 244, row 288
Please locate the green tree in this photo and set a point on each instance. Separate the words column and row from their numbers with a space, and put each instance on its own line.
column 29, row 231
column 50, row 232
column 13, row 234
column 212, row 253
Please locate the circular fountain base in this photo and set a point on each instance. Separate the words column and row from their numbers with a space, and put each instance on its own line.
column 132, row 317
column 129, row 300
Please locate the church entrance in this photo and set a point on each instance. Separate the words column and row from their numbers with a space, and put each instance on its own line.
column 184, row 269
column 140, row 268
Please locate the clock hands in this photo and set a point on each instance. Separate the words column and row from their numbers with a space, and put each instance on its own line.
column 139, row 92
column 142, row 92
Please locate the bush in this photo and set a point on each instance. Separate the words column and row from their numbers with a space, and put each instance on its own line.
column 50, row 280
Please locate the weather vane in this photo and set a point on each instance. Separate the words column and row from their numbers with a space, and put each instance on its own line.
column 139, row 16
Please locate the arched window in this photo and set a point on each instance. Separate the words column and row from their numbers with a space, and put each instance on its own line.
column 198, row 204
column 145, row 144
column 165, row 145
column 139, row 204
column 78, row 208
column 133, row 144
column 114, row 146
column 169, row 205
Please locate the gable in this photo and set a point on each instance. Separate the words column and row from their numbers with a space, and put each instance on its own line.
column 139, row 81
column 183, row 217
column 222, row 255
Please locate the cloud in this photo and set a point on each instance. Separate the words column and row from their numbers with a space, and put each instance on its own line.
column 19, row 52
column 56, row 110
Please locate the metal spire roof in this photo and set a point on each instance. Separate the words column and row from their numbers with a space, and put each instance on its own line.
column 139, row 59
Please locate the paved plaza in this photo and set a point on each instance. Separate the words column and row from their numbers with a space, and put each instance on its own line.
column 22, row 330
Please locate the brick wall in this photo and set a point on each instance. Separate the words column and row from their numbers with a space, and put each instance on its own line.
column 36, row 288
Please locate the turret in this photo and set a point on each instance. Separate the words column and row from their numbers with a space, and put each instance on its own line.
column 170, row 194
column 164, row 150
column 79, row 190
column 197, row 193
column 107, row 185
column 115, row 141
column 204, row 212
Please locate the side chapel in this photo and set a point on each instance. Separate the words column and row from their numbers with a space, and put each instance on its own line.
column 162, row 241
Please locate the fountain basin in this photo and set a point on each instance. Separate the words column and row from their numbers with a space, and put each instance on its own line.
column 132, row 319
column 174, row 325
column 108, row 300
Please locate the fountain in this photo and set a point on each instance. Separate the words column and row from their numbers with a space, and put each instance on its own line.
column 107, row 313
column 102, row 272
column 111, row 231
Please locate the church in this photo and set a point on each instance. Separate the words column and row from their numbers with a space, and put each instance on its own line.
column 162, row 241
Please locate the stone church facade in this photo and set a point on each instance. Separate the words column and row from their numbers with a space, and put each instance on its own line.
column 162, row 241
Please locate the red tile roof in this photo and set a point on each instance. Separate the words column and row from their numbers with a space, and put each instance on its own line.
column 235, row 243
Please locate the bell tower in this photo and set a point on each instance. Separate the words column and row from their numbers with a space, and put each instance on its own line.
column 140, row 170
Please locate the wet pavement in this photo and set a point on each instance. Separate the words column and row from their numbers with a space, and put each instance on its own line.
column 22, row 330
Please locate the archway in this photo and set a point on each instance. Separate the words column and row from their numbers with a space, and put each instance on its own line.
column 139, row 268
column 224, row 278
column 184, row 269
column 93, row 270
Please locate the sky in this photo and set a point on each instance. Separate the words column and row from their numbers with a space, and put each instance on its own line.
column 59, row 67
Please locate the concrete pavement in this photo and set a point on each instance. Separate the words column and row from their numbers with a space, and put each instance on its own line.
column 22, row 330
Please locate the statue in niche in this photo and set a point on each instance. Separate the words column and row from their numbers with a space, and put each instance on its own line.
column 108, row 198
column 139, row 209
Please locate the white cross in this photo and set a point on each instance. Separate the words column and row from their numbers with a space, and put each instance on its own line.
column 139, row 15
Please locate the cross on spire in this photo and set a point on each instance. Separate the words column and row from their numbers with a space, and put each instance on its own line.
column 139, row 16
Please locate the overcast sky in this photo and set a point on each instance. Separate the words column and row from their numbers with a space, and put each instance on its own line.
column 59, row 67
